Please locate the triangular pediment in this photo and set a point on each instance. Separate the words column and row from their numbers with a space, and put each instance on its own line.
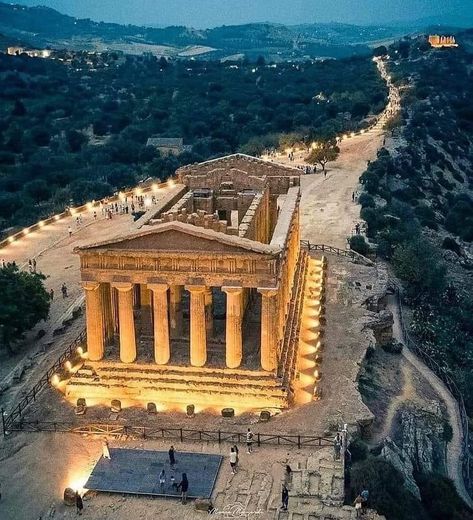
column 177, row 237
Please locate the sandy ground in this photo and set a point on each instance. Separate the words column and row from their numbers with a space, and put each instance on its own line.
column 53, row 250
column 44, row 465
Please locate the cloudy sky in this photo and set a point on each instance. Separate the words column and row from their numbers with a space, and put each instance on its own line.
column 211, row 13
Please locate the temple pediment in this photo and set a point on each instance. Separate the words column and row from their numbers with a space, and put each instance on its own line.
column 177, row 237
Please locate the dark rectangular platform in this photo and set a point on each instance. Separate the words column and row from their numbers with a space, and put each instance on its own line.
column 137, row 472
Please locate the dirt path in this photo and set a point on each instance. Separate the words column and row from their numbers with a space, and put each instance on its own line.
column 454, row 448
column 52, row 247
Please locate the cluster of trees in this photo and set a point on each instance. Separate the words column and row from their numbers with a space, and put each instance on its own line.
column 415, row 199
column 23, row 304
column 388, row 496
column 74, row 132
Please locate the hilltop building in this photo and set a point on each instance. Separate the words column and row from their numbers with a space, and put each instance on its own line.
column 32, row 53
column 438, row 41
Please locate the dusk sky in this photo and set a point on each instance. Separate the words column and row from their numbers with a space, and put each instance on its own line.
column 210, row 13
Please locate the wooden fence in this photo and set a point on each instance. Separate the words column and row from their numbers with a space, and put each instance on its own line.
column 17, row 412
column 348, row 253
column 171, row 434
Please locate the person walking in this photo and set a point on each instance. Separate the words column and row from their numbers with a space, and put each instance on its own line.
column 95, row 215
column 51, row 294
column 249, row 441
column 358, row 504
column 79, row 504
column 365, row 494
column 69, row 230
column 235, row 447
column 183, row 486
column 34, row 265
column 284, row 498
column 172, row 458
column 105, row 450
column 337, row 446
column 233, row 459
column 162, row 480
column 64, row 290
column 325, row 174
column 287, row 476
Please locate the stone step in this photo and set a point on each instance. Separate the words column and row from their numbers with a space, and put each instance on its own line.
column 143, row 382
column 181, row 369
column 247, row 378
column 204, row 396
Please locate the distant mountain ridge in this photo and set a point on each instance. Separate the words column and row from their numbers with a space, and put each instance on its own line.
column 44, row 26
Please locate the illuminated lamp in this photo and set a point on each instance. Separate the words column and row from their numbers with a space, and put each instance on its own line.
column 228, row 412
column 264, row 416
column 151, row 408
column 116, row 406
column 11, row 239
column 55, row 380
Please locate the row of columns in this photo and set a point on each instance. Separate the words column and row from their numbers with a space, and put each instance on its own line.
column 100, row 309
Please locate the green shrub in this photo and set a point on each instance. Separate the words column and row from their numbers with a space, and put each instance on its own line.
column 366, row 201
column 393, row 347
column 450, row 244
column 441, row 499
column 388, row 496
column 358, row 244
column 358, row 450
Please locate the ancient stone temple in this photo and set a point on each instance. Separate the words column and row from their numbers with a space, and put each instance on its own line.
column 438, row 41
column 199, row 303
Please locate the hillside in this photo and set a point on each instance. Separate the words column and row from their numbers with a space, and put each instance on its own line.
column 418, row 201
column 42, row 26
column 79, row 131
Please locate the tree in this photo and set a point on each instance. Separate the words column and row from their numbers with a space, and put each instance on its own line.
column 260, row 61
column 75, row 139
column 19, row 108
column 393, row 123
column 323, row 153
column 23, row 304
column 418, row 263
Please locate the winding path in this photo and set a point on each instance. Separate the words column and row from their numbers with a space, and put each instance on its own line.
column 454, row 447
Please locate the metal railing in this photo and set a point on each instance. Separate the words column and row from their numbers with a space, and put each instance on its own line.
column 445, row 377
column 348, row 253
column 30, row 397
column 178, row 434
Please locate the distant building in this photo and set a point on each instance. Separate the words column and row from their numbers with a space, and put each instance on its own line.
column 32, row 53
column 438, row 41
column 166, row 145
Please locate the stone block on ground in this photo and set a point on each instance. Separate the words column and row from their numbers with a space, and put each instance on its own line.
column 202, row 504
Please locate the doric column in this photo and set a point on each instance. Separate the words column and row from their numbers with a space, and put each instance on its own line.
column 107, row 310
column 175, row 310
column 209, row 320
column 269, row 326
column 233, row 337
column 162, row 351
column 114, row 295
column 94, row 319
column 198, row 339
column 146, row 312
column 126, row 321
